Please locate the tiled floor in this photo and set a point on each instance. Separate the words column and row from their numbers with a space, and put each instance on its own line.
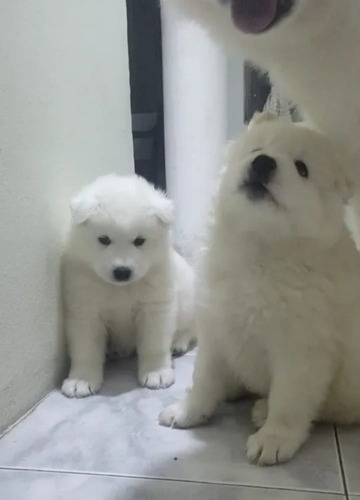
column 110, row 447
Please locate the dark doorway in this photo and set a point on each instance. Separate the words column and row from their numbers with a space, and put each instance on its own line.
column 257, row 91
column 145, row 61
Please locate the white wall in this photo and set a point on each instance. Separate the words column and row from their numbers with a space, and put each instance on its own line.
column 203, row 93
column 64, row 119
column 195, row 123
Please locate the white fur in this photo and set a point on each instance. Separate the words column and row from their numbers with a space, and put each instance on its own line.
column 313, row 56
column 279, row 296
column 152, row 312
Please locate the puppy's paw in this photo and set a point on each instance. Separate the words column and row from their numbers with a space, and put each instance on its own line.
column 179, row 416
column 180, row 347
column 260, row 413
column 271, row 448
column 76, row 388
column 158, row 379
column 182, row 344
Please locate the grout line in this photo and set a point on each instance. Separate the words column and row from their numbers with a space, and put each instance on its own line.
column 26, row 414
column 165, row 479
column 341, row 462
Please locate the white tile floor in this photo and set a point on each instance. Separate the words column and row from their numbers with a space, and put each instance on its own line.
column 110, row 447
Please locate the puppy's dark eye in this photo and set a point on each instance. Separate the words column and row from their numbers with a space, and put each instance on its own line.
column 104, row 240
column 302, row 169
column 139, row 241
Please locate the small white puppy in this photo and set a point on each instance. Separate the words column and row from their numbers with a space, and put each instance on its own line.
column 280, row 292
column 123, row 282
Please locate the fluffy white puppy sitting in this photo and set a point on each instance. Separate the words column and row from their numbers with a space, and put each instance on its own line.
column 124, row 282
column 279, row 292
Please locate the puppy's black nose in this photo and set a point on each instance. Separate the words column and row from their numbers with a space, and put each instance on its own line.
column 122, row 273
column 262, row 169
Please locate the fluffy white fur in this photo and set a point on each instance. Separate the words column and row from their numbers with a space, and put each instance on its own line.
column 312, row 55
column 151, row 312
column 279, row 295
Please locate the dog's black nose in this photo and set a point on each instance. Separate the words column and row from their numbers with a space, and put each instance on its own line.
column 122, row 273
column 262, row 169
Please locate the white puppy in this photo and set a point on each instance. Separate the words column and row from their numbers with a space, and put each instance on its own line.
column 280, row 292
column 124, row 282
column 311, row 49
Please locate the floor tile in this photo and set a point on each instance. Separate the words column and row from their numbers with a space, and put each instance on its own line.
column 349, row 438
column 16, row 485
column 117, row 432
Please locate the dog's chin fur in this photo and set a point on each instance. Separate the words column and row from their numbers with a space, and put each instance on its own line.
column 215, row 16
column 279, row 297
column 151, row 313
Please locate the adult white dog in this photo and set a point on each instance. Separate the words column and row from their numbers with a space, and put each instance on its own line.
column 124, row 282
column 311, row 49
column 279, row 293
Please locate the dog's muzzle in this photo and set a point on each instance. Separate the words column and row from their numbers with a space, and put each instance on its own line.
column 261, row 172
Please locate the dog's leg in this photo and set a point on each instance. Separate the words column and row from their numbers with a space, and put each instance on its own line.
column 86, row 336
column 200, row 404
column 296, row 395
column 154, row 335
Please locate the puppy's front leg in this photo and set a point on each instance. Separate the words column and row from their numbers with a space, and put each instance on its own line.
column 209, row 389
column 155, row 330
column 86, row 338
column 296, row 395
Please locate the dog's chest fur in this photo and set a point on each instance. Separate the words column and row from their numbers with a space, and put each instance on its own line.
column 264, row 303
column 118, row 313
column 120, row 308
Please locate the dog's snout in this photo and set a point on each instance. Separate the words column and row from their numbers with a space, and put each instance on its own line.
column 262, row 169
column 122, row 273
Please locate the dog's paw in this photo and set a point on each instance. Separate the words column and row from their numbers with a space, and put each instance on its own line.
column 75, row 388
column 260, row 413
column 157, row 380
column 271, row 448
column 180, row 347
column 182, row 344
column 179, row 416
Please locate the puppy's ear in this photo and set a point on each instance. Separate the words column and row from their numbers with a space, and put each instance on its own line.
column 266, row 116
column 164, row 208
column 82, row 207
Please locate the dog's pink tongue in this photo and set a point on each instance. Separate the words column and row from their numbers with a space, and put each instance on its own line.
column 253, row 16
